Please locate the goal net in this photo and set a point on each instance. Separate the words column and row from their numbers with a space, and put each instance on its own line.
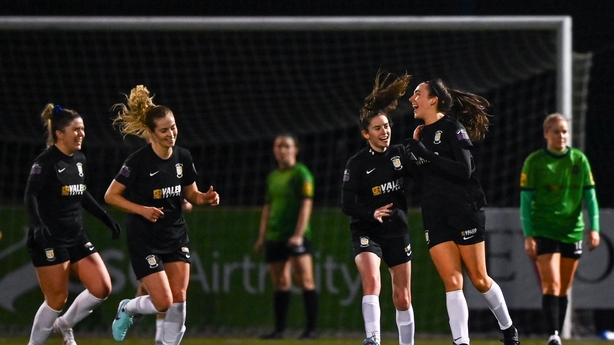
column 233, row 83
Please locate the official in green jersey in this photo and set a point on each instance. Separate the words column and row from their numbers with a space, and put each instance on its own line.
column 285, row 234
column 553, row 182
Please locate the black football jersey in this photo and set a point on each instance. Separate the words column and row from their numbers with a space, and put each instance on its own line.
column 442, row 191
column 57, row 182
column 153, row 181
column 371, row 180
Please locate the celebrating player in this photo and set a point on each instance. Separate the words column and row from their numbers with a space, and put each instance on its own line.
column 373, row 195
column 151, row 186
column 55, row 194
column 453, row 201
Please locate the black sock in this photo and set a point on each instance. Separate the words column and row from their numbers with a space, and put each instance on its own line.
column 563, row 301
column 550, row 309
column 281, row 304
column 310, row 299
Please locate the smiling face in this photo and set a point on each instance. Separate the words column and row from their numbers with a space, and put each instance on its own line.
column 424, row 105
column 556, row 134
column 378, row 133
column 165, row 133
column 70, row 139
column 285, row 151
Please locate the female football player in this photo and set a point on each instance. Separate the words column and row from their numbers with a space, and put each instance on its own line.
column 151, row 186
column 55, row 195
column 373, row 195
column 453, row 201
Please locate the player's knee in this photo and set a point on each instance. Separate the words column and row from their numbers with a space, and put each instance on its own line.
column 482, row 284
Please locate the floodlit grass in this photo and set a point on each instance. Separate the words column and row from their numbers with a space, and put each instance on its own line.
column 85, row 340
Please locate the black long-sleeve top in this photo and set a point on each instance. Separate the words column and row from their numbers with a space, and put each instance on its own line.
column 445, row 169
column 371, row 180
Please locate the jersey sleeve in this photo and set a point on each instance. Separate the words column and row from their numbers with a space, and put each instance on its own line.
column 588, row 182
column 349, row 191
column 526, row 176
column 189, row 170
column 127, row 173
column 39, row 173
column 590, row 195
column 305, row 183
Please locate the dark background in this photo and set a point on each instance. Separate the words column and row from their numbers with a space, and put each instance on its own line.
column 592, row 32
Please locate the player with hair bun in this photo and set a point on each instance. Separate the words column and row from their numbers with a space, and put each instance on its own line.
column 373, row 195
column 151, row 186
column 55, row 195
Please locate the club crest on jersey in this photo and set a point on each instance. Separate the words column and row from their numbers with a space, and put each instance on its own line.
column 179, row 169
column 437, row 139
column 152, row 261
column 80, row 169
column 346, row 175
column 396, row 162
column 364, row 241
column 50, row 254
column 427, row 237
column 186, row 251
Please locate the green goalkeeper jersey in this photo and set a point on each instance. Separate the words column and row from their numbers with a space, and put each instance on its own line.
column 286, row 189
column 558, row 183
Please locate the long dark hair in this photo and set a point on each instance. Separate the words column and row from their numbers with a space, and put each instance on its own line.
column 469, row 109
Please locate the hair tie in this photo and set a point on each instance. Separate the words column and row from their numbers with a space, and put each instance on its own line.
column 57, row 109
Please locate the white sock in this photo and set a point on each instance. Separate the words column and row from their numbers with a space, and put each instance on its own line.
column 496, row 302
column 406, row 326
column 81, row 307
column 159, row 330
column 43, row 324
column 174, row 324
column 371, row 314
column 140, row 305
column 458, row 315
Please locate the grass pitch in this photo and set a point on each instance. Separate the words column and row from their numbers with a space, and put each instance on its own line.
column 88, row 340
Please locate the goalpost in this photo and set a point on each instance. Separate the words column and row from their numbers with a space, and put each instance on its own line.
column 234, row 82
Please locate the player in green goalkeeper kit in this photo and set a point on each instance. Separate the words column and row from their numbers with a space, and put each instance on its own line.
column 554, row 181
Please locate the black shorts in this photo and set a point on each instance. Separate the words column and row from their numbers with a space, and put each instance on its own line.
column 145, row 262
column 463, row 229
column 57, row 255
column 547, row 245
column 280, row 251
column 393, row 251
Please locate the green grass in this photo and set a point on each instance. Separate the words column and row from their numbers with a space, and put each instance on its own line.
column 85, row 340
